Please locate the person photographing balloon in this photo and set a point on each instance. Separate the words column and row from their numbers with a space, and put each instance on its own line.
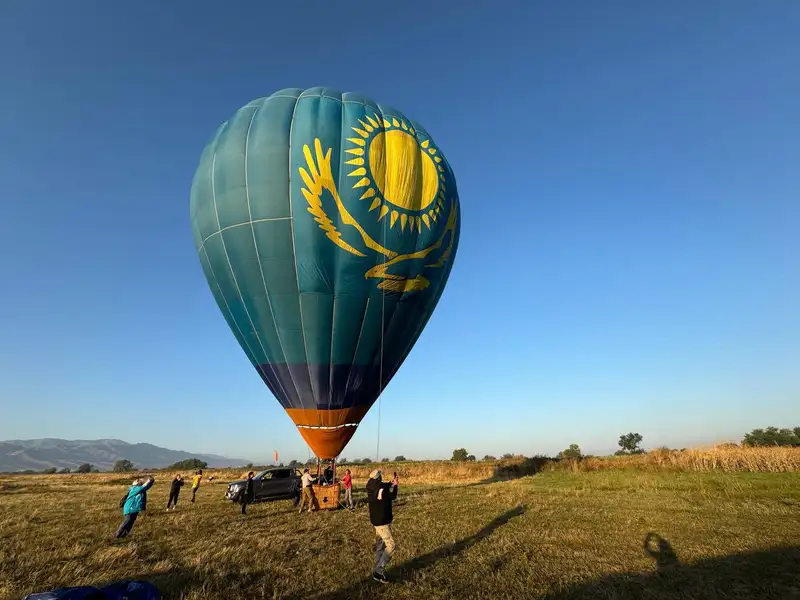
column 380, row 496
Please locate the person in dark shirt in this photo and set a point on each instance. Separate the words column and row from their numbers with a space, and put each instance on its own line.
column 248, row 493
column 380, row 496
column 327, row 475
column 174, row 492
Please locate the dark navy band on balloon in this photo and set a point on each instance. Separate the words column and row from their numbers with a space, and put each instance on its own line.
column 353, row 385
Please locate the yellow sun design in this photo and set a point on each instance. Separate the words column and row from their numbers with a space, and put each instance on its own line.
column 403, row 175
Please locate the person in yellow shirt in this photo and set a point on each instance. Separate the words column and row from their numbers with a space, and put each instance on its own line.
column 198, row 477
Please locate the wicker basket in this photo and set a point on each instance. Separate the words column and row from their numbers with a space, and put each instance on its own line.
column 327, row 496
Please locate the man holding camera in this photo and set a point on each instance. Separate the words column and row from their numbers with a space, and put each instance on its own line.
column 380, row 496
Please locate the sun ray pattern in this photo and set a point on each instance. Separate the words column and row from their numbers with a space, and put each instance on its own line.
column 400, row 173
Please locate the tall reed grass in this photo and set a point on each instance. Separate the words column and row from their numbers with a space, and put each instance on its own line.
column 725, row 458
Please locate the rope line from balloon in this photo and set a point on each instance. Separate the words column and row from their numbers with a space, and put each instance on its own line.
column 380, row 371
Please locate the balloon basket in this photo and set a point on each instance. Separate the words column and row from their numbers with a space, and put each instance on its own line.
column 327, row 496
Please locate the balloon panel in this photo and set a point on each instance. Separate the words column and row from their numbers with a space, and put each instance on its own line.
column 326, row 225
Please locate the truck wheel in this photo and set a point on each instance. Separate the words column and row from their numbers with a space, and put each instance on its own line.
column 295, row 500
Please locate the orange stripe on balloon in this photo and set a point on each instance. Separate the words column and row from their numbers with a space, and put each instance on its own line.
column 336, row 427
column 326, row 418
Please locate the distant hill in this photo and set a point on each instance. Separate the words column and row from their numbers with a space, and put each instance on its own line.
column 19, row 455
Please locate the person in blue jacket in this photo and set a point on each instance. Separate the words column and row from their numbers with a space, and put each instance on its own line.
column 134, row 504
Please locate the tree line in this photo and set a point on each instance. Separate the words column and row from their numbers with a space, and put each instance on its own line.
column 629, row 444
column 122, row 465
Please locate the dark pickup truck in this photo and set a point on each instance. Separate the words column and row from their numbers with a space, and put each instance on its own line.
column 280, row 483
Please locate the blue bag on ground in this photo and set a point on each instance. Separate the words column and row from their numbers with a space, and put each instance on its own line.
column 122, row 590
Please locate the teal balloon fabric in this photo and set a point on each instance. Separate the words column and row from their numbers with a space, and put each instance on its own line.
column 326, row 225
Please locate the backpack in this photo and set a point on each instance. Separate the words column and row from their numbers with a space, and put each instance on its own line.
column 124, row 499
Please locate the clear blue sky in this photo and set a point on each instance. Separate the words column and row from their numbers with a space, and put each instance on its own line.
column 631, row 225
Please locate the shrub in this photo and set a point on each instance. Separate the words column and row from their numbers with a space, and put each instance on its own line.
column 123, row 465
column 189, row 464
column 571, row 453
column 772, row 436
column 460, row 455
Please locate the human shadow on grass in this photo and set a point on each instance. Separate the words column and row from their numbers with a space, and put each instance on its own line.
column 409, row 569
column 661, row 551
column 764, row 575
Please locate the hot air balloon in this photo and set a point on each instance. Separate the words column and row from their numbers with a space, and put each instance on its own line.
column 326, row 225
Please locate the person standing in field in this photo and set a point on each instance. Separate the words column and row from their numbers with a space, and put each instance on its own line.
column 380, row 496
column 133, row 504
column 308, row 492
column 174, row 492
column 348, row 489
column 248, row 493
column 198, row 477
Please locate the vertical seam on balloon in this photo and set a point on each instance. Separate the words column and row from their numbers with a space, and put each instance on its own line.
column 439, row 292
column 358, row 343
column 261, row 268
column 294, row 257
column 364, row 316
column 421, row 326
column 330, row 358
column 336, row 265
column 228, row 259
column 247, row 350
column 383, row 316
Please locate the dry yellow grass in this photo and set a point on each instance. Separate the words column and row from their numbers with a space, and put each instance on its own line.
column 725, row 458
column 558, row 535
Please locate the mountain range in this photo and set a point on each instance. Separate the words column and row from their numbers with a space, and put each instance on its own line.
column 48, row 453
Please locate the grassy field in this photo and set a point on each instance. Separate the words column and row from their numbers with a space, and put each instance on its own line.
column 627, row 529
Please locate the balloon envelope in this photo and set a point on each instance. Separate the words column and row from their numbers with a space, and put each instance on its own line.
column 326, row 225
